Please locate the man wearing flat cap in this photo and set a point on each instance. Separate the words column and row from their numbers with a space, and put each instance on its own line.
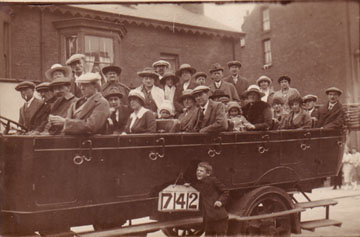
column 112, row 75
column 154, row 96
column 87, row 115
column 211, row 116
column 331, row 115
column 240, row 83
column 31, row 106
column 309, row 106
column 64, row 98
column 161, row 67
column 57, row 71
column 77, row 64
column 218, row 83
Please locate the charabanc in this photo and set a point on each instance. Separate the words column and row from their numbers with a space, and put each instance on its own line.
column 57, row 182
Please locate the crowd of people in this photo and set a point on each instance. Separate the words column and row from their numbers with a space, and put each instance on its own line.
column 75, row 102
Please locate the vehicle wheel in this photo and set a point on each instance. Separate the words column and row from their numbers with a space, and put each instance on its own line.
column 260, row 201
column 195, row 230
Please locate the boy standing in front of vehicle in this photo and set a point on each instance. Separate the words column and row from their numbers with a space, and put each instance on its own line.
column 213, row 198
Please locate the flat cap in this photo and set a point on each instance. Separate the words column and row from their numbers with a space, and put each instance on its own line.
column 184, row 67
column 75, row 57
column 148, row 72
column 216, row 67
column 112, row 68
column 57, row 67
column 161, row 63
column 88, row 78
column 200, row 74
column 310, row 98
column 234, row 63
column 284, row 78
column 263, row 78
column 186, row 94
column 137, row 94
column 200, row 89
column 253, row 88
column 43, row 86
column 333, row 89
column 60, row 81
column 25, row 84
column 169, row 75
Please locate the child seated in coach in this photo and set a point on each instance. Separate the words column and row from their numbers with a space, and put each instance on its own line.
column 213, row 196
column 166, row 110
column 234, row 114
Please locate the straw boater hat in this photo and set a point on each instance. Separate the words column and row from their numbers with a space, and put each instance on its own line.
column 310, row 98
column 233, row 104
column 333, row 89
column 200, row 89
column 169, row 75
column 44, row 86
column 186, row 94
column 25, row 84
column 57, row 67
column 114, row 91
column 60, row 82
column 149, row 72
column 234, row 63
column 161, row 63
column 74, row 58
column 111, row 68
column 218, row 94
column 216, row 67
column 200, row 74
column 263, row 78
column 88, row 78
column 185, row 67
column 137, row 94
column 284, row 78
column 253, row 88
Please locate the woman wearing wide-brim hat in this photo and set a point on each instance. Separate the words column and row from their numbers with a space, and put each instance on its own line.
column 142, row 120
column 257, row 112
column 265, row 84
column 168, row 83
column 297, row 118
column 58, row 71
column 286, row 91
column 187, row 119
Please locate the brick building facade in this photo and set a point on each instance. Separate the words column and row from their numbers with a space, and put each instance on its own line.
column 131, row 36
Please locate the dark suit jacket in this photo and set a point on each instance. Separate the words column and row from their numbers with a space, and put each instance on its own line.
column 27, row 115
column 119, row 121
column 75, row 90
column 302, row 121
column 41, row 117
column 214, row 119
column 122, row 88
column 241, row 85
column 89, row 119
column 259, row 114
column 228, row 88
column 146, row 124
column 188, row 119
column 178, row 92
column 334, row 118
column 212, row 190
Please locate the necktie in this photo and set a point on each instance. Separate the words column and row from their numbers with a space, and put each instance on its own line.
column 331, row 106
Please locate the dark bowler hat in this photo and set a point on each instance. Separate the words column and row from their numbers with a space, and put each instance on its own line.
column 216, row 67
column 25, row 84
column 185, row 67
column 148, row 72
column 200, row 74
column 169, row 75
column 60, row 82
column 310, row 98
column 111, row 68
column 333, row 89
column 44, row 86
column 234, row 63
column 200, row 89
column 284, row 78
column 218, row 93
column 186, row 94
column 113, row 91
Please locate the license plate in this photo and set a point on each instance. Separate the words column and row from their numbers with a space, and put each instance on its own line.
column 170, row 201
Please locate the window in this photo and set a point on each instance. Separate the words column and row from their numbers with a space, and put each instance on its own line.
column 173, row 59
column 71, row 43
column 242, row 42
column 266, row 19
column 99, row 52
column 267, row 53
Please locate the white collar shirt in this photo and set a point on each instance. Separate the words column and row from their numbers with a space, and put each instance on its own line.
column 218, row 84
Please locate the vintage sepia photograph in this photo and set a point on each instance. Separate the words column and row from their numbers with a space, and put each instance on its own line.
column 179, row 118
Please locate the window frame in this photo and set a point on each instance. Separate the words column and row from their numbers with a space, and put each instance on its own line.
column 265, row 21
column 267, row 52
column 166, row 56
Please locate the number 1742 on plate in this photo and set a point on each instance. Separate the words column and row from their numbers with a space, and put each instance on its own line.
column 178, row 201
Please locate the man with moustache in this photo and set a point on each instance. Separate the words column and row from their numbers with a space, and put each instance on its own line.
column 112, row 74
column 241, row 84
column 77, row 63
column 161, row 67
